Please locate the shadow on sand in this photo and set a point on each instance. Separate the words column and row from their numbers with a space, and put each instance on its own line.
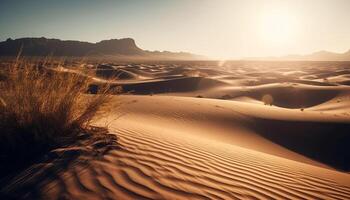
column 326, row 142
column 27, row 182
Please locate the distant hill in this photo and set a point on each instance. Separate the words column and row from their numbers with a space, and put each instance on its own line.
column 317, row 56
column 322, row 56
column 124, row 48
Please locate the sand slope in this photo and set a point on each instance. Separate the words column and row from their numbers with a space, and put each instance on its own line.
column 189, row 148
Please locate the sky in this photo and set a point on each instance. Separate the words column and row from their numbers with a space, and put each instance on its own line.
column 225, row 29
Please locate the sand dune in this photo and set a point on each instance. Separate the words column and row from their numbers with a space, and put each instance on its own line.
column 254, row 126
column 182, row 84
column 206, row 152
column 171, row 144
column 307, row 85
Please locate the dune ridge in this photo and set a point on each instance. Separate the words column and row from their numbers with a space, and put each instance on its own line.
column 290, row 84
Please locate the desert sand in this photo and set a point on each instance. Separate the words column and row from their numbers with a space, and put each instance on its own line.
column 206, row 130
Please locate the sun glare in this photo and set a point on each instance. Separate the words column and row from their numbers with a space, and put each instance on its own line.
column 278, row 28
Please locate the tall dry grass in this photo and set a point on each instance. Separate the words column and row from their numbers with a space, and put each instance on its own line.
column 43, row 108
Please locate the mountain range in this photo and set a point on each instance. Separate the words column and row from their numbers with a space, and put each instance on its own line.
column 120, row 48
column 126, row 48
column 317, row 56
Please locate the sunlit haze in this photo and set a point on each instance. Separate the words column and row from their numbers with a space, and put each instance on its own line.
column 218, row 29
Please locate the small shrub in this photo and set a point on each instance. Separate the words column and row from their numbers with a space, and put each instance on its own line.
column 41, row 109
column 267, row 99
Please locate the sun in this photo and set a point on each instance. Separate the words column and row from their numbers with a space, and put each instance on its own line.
column 278, row 28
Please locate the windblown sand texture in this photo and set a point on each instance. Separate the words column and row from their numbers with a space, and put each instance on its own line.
column 201, row 130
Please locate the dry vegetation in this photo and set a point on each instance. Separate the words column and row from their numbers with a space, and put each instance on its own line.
column 41, row 109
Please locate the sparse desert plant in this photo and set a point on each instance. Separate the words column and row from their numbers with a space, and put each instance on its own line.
column 41, row 109
column 267, row 99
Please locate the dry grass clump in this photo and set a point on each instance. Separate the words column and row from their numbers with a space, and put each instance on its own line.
column 41, row 108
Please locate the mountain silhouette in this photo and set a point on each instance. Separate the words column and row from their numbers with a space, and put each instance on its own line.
column 316, row 56
column 125, row 47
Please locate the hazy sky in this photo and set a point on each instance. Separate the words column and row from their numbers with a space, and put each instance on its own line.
column 217, row 28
